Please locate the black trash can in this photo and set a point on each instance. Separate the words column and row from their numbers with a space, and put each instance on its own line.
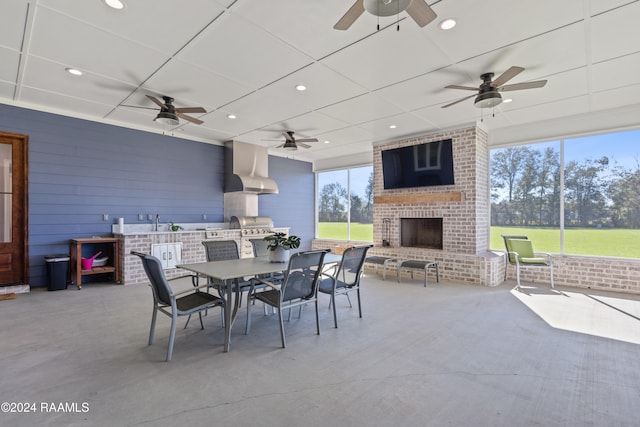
column 57, row 271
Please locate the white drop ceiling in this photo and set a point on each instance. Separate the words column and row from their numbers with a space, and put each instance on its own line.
column 245, row 57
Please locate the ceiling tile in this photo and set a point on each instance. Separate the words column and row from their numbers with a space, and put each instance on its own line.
column 90, row 49
column 615, row 73
column 7, row 90
column 10, row 61
column 240, row 51
column 61, row 104
column 163, row 26
column 425, row 90
column 483, row 27
column 387, row 57
column 194, row 85
column 405, row 125
column 549, row 110
column 14, row 17
column 50, row 76
column 304, row 20
column 361, row 109
column 308, row 124
column 615, row 98
column 615, row 33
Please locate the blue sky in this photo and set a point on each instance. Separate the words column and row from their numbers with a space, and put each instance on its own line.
column 621, row 147
column 359, row 179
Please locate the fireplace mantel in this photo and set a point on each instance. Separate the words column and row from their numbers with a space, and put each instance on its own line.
column 453, row 196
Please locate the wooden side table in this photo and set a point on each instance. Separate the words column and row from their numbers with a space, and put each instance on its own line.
column 110, row 246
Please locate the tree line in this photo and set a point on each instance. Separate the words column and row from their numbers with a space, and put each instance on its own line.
column 525, row 190
column 333, row 200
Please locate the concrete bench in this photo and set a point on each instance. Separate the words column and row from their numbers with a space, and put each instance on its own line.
column 380, row 260
column 415, row 265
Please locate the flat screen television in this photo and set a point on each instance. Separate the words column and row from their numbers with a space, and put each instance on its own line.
column 421, row 165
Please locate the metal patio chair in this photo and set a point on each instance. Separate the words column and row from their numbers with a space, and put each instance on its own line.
column 346, row 278
column 174, row 304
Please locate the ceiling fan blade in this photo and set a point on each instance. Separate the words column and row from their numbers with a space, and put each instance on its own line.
column 421, row 12
column 475, row 89
column 191, row 110
column 288, row 137
column 525, row 85
column 306, row 140
column 300, row 144
column 350, row 17
column 280, row 146
column 189, row 118
column 506, row 76
column 459, row 100
column 156, row 101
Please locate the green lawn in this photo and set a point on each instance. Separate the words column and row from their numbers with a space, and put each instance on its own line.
column 338, row 230
column 577, row 241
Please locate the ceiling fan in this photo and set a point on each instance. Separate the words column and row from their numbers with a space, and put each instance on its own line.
column 488, row 93
column 169, row 113
column 419, row 10
column 292, row 144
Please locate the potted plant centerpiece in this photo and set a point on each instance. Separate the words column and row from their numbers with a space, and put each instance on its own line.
column 280, row 246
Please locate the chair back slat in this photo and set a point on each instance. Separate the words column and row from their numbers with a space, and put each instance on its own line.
column 260, row 247
column 523, row 247
column 159, row 285
column 301, row 277
column 351, row 265
column 506, row 238
column 220, row 250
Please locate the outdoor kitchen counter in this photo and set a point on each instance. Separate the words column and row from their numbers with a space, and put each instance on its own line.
column 143, row 239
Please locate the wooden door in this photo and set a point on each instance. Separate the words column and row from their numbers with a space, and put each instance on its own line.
column 14, row 266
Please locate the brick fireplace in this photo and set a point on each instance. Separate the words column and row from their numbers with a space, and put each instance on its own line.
column 447, row 224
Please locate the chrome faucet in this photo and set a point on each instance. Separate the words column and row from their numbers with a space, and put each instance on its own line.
column 157, row 221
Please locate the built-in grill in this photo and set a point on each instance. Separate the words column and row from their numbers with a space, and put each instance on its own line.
column 252, row 226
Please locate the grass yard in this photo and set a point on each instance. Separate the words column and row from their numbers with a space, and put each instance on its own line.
column 577, row 241
column 338, row 230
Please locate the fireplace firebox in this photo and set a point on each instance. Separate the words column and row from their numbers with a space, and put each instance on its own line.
column 421, row 233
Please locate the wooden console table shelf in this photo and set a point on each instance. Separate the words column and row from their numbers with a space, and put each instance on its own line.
column 454, row 196
column 110, row 246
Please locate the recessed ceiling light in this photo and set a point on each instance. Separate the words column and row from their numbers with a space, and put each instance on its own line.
column 73, row 71
column 508, row 100
column 392, row 126
column 231, row 116
column 301, row 87
column 448, row 24
column 115, row 4
column 326, row 142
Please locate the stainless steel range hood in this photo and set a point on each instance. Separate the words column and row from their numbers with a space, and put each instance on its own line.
column 247, row 169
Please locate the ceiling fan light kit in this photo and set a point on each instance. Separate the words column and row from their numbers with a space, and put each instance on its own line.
column 291, row 143
column 386, row 7
column 488, row 100
column 167, row 118
column 169, row 114
column 290, row 146
column 418, row 10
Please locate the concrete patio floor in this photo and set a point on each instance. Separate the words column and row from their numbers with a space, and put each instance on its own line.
column 445, row 355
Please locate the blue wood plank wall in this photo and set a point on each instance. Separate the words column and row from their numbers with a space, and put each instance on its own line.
column 294, row 205
column 80, row 170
